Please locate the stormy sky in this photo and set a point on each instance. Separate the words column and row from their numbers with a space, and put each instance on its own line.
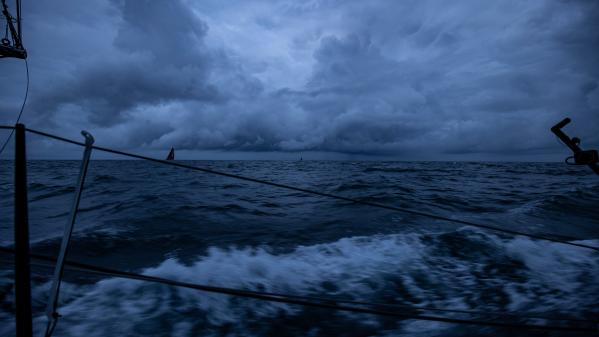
column 426, row 80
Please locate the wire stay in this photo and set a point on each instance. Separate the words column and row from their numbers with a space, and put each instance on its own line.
column 21, row 111
column 313, row 192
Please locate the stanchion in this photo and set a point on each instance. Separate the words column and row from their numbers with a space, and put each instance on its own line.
column 66, row 238
column 22, row 272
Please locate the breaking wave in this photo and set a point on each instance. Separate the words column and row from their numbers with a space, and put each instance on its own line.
column 465, row 269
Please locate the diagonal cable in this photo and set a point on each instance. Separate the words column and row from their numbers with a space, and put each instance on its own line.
column 322, row 194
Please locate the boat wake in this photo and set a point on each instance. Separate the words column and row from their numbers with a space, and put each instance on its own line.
column 465, row 269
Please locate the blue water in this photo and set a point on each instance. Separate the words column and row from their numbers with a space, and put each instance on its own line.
column 195, row 227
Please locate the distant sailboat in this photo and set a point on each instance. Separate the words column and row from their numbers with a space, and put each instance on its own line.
column 171, row 154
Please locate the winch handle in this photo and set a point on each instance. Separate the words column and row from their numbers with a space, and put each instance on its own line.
column 557, row 129
column 561, row 124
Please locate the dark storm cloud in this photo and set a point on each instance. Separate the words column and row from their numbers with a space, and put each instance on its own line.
column 379, row 77
column 159, row 57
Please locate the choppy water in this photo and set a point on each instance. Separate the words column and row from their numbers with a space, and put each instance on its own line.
column 199, row 228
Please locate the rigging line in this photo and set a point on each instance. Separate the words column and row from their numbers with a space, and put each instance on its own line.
column 19, row 22
column 298, row 300
column 47, row 264
column 322, row 194
column 22, row 108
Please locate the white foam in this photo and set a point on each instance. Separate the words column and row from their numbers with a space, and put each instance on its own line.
column 362, row 268
column 570, row 270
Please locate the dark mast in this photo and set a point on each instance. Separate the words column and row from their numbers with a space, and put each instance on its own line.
column 12, row 45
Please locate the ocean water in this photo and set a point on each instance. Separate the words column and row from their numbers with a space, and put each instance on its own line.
column 195, row 227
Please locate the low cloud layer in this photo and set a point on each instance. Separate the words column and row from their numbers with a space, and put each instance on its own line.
column 385, row 78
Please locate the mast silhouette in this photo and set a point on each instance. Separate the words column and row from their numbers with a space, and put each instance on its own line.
column 12, row 45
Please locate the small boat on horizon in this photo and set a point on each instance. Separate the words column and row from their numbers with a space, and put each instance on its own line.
column 171, row 154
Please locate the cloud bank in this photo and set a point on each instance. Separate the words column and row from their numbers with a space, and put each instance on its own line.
column 371, row 78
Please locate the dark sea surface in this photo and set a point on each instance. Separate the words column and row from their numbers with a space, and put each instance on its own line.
column 195, row 227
